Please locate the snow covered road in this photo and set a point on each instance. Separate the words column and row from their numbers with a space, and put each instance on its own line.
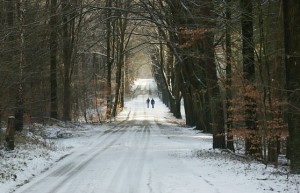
column 132, row 156
column 143, row 151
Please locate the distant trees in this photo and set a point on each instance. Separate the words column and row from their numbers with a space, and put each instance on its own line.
column 39, row 54
column 190, row 41
column 253, row 78
column 239, row 38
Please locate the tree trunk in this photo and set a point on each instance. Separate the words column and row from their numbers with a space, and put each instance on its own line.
column 188, row 107
column 67, row 62
column 216, row 105
column 203, row 112
column 228, row 77
column 120, row 63
column 176, row 91
column 19, row 113
column 123, row 83
column 109, row 59
column 215, row 100
column 11, row 41
column 53, row 59
column 10, row 133
column 291, row 9
column 253, row 141
column 69, row 12
column 175, row 83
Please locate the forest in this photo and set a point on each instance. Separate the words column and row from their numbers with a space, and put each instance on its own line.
column 233, row 63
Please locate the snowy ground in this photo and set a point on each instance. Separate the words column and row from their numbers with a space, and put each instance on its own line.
column 142, row 151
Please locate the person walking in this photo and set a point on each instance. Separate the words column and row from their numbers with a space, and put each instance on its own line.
column 148, row 101
column 152, row 102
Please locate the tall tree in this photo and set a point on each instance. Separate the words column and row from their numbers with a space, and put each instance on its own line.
column 252, row 141
column 184, row 27
column 70, row 32
column 228, row 74
column 216, row 104
column 121, row 26
column 10, row 39
column 19, row 113
column 53, row 58
column 109, row 58
column 68, row 25
column 291, row 9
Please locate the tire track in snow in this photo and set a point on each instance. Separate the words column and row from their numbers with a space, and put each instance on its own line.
column 66, row 171
column 121, row 130
column 130, row 168
column 137, row 170
column 91, row 155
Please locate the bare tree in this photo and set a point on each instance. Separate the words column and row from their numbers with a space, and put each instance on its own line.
column 19, row 113
column 228, row 74
column 70, row 30
column 252, row 142
column 109, row 58
column 291, row 9
column 53, row 41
